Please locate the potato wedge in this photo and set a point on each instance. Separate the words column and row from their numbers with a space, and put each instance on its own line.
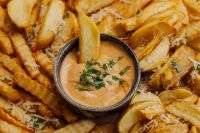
column 193, row 4
column 146, row 33
column 105, row 128
column 5, row 43
column 89, row 6
column 5, row 127
column 187, row 34
column 157, row 57
column 44, row 62
column 82, row 126
column 89, row 45
column 187, row 111
column 144, row 97
column 19, row 11
column 195, row 43
column 51, row 23
column 173, row 70
column 176, row 128
column 147, row 49
column 132, row 115
column 24, row 53
column 108, row 26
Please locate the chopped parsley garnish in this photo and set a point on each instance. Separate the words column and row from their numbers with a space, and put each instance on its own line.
column 117, row 79
column 196, row 67
column 95, row 72
column 176, row 66
column 123, row 71
column 37, row 122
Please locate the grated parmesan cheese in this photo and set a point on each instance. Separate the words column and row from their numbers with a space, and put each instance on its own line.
column 148, row 126
column 182, row 38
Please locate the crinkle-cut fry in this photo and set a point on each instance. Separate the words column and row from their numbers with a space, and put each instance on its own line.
column 187, row 34
column 14, row 111
column 44, row 62
column 9, row 92
column 89, row 6
column 43, row 94
column 6, row 76
column 5, row 43
column 6, row 117
column 174, row 69
column 82, row 126
column 44, row 80
column 186, row 110
column 120, row 9
column 2, row 16
column 5, row 127
column 10, row 64
column 24, row 53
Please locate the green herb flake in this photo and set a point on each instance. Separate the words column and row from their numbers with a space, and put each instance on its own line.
column 9, row 110
column 85, row 89
column 123, row 71
column 120, row 57
column 117, row 79
column 176, row 66
column 111, row 63
column 196, row 67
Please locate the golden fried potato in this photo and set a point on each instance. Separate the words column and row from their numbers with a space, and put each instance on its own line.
column 192, row 79
column 132, row 115
column 147, row 49
column 193, row 5
column 195, row 43
column 146, row 33
column 44, row 62
column 108, row 26
column 186, row 110
column 44, row 80
column 44, row 4
column 3, row 3
column 34, row 15
column 89, row 6
column 157, row 57
column 82, row 126
column 194, row 129
column 5, row 43
column 71, row 5
column 43, row 94
column 175, row 128
column 9, row 92
column 2, row 16
column 105, row 128
column 19, row 11
column 89, row 43
column 11, row 64
column 144, row 97
column 173, row 70
column 24, row 53
column 51, row 23
column 8, row 26
column 6, row 76
column 136, row 128
column 6, row 117
column 5, row 127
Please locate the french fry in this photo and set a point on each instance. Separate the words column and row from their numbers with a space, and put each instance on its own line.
column 108, row 26
column 2, row 16
column 195, row 43
column 132, row 115
column 34, row 15
column 105, row 128
column 44, row 80
column 186, row 110
column 174, row 69
column 193, row 82
column 120, row 9
column 9, row 92
column 136, row 128
column 24, row 53
column 147, row 49
column 88, row 6
column 6, row 45
column 193, row 5
column 44, row 62
column 194, row 129
column 144, row 97
column 43, row 10
column 50, row 24
column 11, row 64
column 6, row 117
column 89, row 45
column 82, row 126
column 3, row 3
column 157, row 57
column 19, row 11
column 43, row 94
column 6, row 76
column 8, row 26
column 146, row 33
column 5, row 127
column 183, row 128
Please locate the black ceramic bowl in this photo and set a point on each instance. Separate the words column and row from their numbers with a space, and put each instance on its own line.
column 91, row 111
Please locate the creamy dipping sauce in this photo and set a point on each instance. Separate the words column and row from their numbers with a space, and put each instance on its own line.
column 100, row 83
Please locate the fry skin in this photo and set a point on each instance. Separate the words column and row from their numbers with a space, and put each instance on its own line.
column 44, row 62
column 5, row 43
column 6, row 76
column 24, row 53
column 2, row 16
column 44, row 80
column 43, row 94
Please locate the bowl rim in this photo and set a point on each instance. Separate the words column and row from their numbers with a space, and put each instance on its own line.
column 103, row 37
